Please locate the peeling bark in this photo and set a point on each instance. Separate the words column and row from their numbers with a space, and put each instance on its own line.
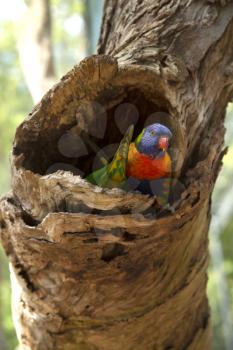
column 104, row 269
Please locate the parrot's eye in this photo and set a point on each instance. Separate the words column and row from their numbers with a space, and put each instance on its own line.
column 152, row 133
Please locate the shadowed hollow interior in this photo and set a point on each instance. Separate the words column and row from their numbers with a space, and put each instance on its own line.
column 104, row 120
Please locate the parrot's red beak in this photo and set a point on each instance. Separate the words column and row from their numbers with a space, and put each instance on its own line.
column 163, row 143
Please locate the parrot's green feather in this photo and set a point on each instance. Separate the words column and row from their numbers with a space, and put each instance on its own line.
column 139, row 137
column 114, row 173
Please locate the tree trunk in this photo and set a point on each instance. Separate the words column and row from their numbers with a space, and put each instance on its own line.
column 36, row 50
column 105, row 269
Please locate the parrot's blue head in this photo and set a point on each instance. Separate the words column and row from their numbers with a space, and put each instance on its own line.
column 153, row 140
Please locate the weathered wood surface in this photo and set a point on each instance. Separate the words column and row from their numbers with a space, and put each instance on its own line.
column 101, row 269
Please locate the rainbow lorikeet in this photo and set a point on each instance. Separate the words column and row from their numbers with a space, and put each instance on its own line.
column 139, row 164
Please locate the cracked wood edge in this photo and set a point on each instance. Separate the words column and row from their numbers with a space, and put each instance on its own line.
column 129, row 293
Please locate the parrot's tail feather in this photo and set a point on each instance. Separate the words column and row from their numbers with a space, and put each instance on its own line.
column 113, row 174
column 117, row 167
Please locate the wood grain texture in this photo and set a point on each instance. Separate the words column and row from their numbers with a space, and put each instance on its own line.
column 104, row 269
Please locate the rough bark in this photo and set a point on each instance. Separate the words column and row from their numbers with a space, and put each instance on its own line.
column 36, row 49
column 103, row 269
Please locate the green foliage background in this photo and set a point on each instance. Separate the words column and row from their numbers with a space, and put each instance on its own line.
column 16, row 103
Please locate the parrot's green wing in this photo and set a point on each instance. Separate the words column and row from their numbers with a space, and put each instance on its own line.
column 114, row 173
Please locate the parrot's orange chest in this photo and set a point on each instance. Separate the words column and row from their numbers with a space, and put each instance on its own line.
column 143, row 167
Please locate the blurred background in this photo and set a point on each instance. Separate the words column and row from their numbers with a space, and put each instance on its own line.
column 40, row 40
